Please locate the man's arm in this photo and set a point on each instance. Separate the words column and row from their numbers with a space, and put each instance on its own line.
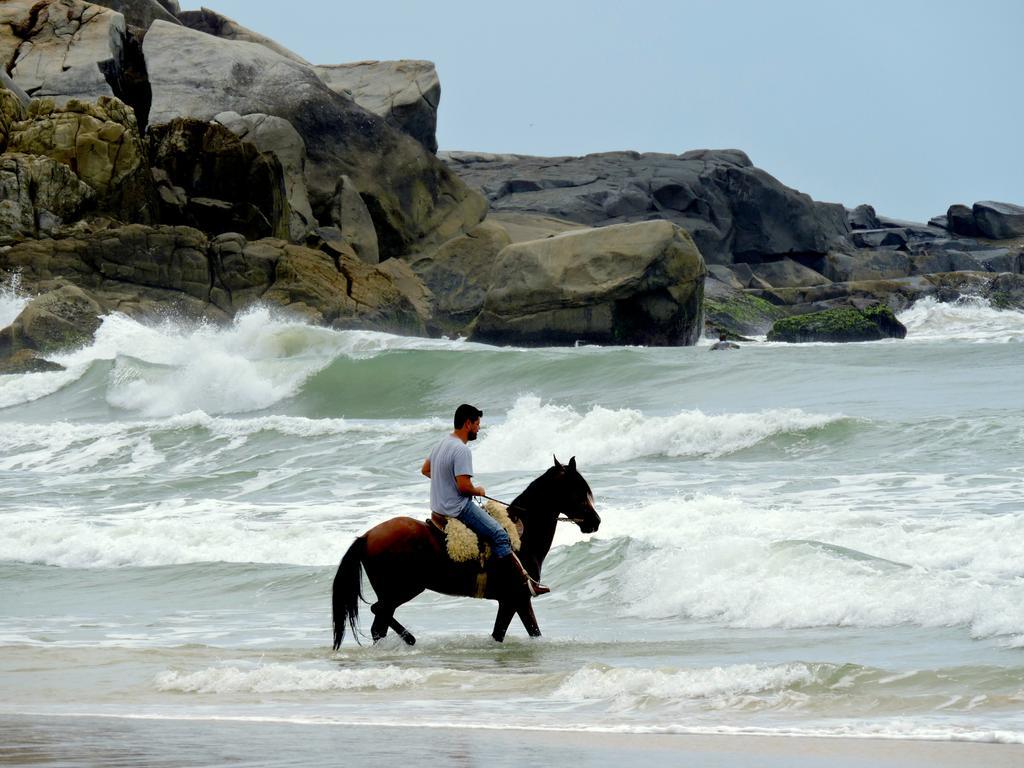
column 465, row 485
column 426, row 468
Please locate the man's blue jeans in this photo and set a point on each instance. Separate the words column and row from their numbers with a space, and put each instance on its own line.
column 483, row 524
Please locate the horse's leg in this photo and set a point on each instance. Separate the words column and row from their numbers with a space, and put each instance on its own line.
column 384, row 616
column 529, row 619
column 506, row 610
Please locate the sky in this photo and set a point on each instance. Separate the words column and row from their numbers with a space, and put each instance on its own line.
column 909, row 105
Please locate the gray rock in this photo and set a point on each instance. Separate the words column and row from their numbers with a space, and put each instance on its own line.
column 215, row 24
column 787, row 273
column 724, row 275
column 26, row 361
column 865, row 265
column 998, row 259
column 623, row 284
column 943, row 261
column 414, row 200
column 278, row 137
column 140, row 13
column 961, row 221
column 64, row 49
column 8, row 82
column 405, row 93
column 171, row 6
column 863, row 217
column 942, row 222
column 350, row 215
column 999, row 221
column 879, row 238
column 734, row 211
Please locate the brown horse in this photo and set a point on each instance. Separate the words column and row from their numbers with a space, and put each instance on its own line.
column 402, row 557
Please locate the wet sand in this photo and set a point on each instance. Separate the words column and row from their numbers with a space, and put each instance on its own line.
column 96, row 741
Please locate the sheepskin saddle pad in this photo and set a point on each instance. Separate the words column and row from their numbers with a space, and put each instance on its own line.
column 464, row 545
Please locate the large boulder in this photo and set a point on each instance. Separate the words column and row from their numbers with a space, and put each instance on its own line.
column 459, row 274
column 278, row 137
column 100, row 143
column 59, row 319
column 999, row 221
column 841, row 324
column 625, row 284
column 405, row 93
column 734, row 211
column 415, row 201
column 216, row 24
column 229, row 184
column 37, row 194
column 65, row 49
column 960, row 220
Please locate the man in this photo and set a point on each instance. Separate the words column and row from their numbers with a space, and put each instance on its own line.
column 450, row 469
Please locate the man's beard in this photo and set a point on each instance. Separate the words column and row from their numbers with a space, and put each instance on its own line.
column 471, row 436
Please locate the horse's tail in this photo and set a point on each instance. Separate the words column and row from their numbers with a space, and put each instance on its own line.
column 347, row 590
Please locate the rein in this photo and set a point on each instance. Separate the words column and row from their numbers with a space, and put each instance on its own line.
column 561, row 518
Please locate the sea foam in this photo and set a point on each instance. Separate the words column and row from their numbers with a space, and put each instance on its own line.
column 280, row 678
column 968, row 319
column 533, row 430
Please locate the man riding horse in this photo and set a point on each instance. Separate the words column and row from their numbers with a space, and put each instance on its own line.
column 450, row 469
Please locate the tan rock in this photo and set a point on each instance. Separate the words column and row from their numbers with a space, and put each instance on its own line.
column 100, row 143
column 60, row 319
column 623, row 284
column 458, row 273
column 350, row 215
column 31, row 187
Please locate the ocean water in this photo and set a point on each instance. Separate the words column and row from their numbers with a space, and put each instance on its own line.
column 796, row 539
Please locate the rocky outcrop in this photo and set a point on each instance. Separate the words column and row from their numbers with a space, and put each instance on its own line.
column 140, row 13
column 279, row 138
column 459, row 274
column 405, row 93
column 228, row 184
column 734, row 211
column 787, row 273
column 840, row 325
column 65, row 49
column 626, row 284
column 736, row 312
column 146, row 272
column 37, row 194
column 12, row 109
column 216, row 24
column 100, row 143
column 416, row 203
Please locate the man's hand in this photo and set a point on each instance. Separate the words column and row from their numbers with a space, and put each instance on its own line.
column 465, row 485
column 426, row 468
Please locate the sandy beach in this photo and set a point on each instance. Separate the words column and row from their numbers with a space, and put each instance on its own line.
column 74, row 741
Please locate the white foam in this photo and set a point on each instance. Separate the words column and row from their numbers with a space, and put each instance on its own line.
column 968, row 319
column 280, row 678
column 748, row 563
column 719, row 687
column 12, row 299
column 534, row 430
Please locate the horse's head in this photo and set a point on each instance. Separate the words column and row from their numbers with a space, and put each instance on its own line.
column 574, row 497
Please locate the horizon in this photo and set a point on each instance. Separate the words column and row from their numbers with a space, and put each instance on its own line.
column 881, row 108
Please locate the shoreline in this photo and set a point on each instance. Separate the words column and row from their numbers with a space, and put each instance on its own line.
column 162, row 740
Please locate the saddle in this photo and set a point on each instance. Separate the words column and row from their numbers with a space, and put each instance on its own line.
column 463, row 545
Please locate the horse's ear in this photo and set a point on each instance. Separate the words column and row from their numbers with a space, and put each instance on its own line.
column 572, row 463
column 557, row 462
